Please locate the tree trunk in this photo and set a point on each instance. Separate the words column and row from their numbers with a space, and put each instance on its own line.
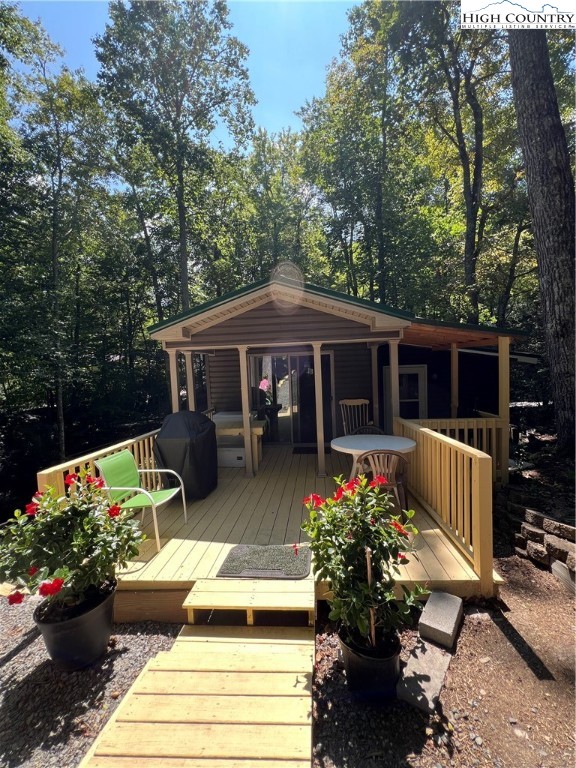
column 551, row 201
column 182, row 239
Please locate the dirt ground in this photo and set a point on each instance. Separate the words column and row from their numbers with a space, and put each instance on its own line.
column 508, row 698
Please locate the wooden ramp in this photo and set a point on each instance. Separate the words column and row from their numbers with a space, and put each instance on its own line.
column 223, row 696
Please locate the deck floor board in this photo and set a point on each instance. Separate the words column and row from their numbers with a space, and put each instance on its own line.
column 268, row 509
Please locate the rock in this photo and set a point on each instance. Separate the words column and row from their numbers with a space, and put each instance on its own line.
column 571, row 563
column 559, row 548
column 559, row 529
column 563, row 574
column 423, row 676
column 538, row 552
column 520, row 540
column 532, row 533
column 441, row 618
column 520, row 552
column 533, row 517
column 478, row 741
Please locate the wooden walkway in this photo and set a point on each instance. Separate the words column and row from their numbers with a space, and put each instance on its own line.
column 239, row 697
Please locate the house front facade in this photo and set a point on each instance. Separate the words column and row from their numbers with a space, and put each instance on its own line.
column 288, row 353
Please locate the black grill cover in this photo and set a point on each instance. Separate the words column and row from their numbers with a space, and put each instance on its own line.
column 186, row 443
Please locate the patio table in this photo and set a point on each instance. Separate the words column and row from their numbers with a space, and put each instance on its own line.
column 357, row 444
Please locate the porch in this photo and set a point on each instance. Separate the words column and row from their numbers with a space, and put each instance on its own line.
column 452, row 500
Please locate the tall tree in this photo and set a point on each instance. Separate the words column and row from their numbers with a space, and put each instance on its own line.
column 176, row 72
column 551, row 200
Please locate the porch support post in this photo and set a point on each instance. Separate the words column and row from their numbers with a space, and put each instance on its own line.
column 243, row 355
column 174, row 384
column 317, row 347
column 375, row 391
column 190, row 384
column 394, row 379
column 504, row 403
column 454, row 377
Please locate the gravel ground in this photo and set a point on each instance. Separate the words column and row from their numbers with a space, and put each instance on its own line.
column 508, row 701
column 48, row 719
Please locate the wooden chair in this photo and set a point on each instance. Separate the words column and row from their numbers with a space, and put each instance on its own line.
column 122, row 478
column 390, row 464
column 354, row 414
column 368, row 429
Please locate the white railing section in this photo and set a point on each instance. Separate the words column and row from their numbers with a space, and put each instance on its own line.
column 453, row 482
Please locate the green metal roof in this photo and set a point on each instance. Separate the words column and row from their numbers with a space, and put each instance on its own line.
column 329, row 294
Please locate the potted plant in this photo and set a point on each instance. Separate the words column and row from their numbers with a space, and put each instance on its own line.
column 358, row 546
column 66, row 548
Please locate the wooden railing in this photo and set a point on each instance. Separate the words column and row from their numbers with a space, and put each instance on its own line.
column 141, row 447
column 453, row 482
column 489, row 435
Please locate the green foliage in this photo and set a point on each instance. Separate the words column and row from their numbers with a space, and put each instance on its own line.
column 63, row 546
column 358, row 546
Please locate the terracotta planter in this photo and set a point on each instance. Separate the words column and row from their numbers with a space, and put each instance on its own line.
column 372, row 674
column 77, row 642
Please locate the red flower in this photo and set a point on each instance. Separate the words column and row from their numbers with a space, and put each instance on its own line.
column 114, row 510
column 314, row 499
column 15, row 598
column 90, row 479
column 32, row 508
column 38, row 495
column 339, row 493
column 352, row 484
column 378, row 480
column 400, row 528
column 49, row 588
column 402, row 556
column 70, row 479
column 98, row 482
column 372, row 521
column 295, row 548
column 32, row 570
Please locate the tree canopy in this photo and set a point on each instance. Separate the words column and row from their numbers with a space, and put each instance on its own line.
column 120, row 207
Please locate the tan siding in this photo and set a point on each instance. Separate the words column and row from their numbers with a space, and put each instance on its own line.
column 224, row 374
column 268, row 325
column 352, row 376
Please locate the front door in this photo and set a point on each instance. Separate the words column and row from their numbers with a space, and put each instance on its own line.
column 412, row 390
column 285, row 392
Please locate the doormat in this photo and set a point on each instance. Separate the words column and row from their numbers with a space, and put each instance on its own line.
column 250, row 561
column 308, row 449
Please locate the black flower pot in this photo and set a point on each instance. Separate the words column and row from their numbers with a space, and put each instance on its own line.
column 80, row 640
column 372, row 674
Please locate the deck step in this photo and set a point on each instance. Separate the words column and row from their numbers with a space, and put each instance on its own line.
column 233, row 696
column 251, row 601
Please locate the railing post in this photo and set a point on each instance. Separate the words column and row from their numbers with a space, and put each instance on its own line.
column 482, row 522
column 47, row 477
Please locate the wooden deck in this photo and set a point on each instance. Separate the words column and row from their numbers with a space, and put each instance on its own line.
column 236, row 688
column 234, row 696
column 266, row 509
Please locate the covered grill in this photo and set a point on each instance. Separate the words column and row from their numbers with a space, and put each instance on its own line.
column 186, row 443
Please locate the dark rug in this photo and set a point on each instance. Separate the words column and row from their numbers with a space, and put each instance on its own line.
column 308, row 449
column 250, row 561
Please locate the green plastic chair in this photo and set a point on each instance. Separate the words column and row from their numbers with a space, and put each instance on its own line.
column 122, row 478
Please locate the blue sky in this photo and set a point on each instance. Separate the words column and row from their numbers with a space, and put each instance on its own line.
column 291, row 43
